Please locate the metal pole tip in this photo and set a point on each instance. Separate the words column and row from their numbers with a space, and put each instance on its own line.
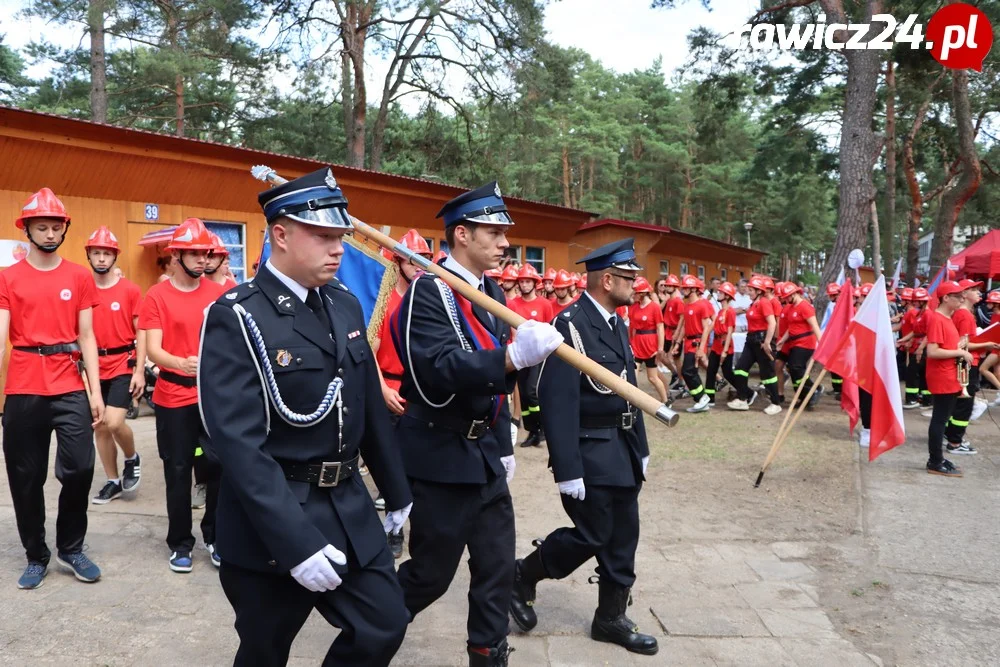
column 760, row 478
column 667, row 416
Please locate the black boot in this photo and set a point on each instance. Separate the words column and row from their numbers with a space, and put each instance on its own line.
column 527, row 572
column 613, row 626
column 531, row 440
column 494, row 657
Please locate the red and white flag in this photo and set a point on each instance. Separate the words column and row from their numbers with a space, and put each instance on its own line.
column 833, row 334
column 867, row 355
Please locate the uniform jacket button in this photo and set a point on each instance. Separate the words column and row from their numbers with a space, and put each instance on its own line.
column 340, row 371
column 272, row 563
column 298, row 360
column 347, row 411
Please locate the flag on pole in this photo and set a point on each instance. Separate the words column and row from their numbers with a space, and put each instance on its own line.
column 895, row 276
column 833, row 334
column 867, row 355
column 369, row 276
column 265, row 252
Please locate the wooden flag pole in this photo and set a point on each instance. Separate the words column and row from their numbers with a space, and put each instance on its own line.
column 788, row 413
column 582, row 363
column 780, row 440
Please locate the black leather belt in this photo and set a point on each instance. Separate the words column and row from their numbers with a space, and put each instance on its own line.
column 182, row 380
column 694, row 337
column 324, row 475
column 471, row 429
column 756, row 336
column 799, row 336
column 46, row 350
column 108, row 351
column 392, row 376
column 640, row 332
column 625, row 420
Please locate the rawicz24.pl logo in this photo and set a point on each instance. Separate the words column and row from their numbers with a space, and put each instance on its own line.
column 958, row 36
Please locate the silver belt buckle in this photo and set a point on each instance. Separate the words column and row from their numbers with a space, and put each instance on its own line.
column 473, row 428
column 336, row 475
column 628, row 419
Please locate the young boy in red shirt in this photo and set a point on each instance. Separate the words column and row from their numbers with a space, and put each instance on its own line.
column 799, row 339
column 46, row 309
column 171, row 317
column 646, row 334
column 695, row 325
column 530, row 306
column 122, row 358
column 721, row 356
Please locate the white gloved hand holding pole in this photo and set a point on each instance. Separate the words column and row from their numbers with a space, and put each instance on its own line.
column 509, row 464
column 645, row 462
column 573, row 488
column 316, row 573
column 395, row 519
column 533, row 342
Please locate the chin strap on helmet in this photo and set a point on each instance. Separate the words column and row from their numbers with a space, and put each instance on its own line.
column 193, row 274
column 48, row 248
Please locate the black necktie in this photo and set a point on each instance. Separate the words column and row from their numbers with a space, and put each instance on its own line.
column 315, row 304
column 623, row 340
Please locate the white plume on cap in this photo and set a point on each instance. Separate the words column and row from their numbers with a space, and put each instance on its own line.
column 856, row 258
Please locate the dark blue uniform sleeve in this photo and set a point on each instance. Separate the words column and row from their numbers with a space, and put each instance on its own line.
column 559, row 398
column 234, row 409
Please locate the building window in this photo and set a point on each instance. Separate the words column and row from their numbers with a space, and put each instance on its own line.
column 684, row 269
column 701, row 272
column 444, row 247
column 233, row 236
column 535, row 257
column 725, row 274
column 430, row 244
column 664, row 267
column 514, row 252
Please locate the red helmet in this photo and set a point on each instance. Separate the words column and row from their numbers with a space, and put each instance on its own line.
column 642, row 285
column 441, row 254
column 581, row 282
column 833, row 289
column 768, row 283
column 673, row 281
column 920, row 294
column 102, row 238
column 528, row 272
column 415, row 243
column 191, row 235
column 857, row 292
column 388, row 254
column 219, row 247
column 563, row 279
column 495, row 274
column 510, row 273
column 688, row 282
column 788, row 289
column 758, row 283
column 993, row 297
column 907, row 294
column 866, row 288
column 550, row 274
column 728, row 289
column 42, row 204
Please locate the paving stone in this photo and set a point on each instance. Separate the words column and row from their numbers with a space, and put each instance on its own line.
column 724, row 574
column 753, row 652
column 701, row 622
column 792, row 550
column 583, row 652
column 826, row 653
column 809, row 623
column 697, row 594
column 676, row 652
column 738, row 551
column 774, row 595
column 780, row 570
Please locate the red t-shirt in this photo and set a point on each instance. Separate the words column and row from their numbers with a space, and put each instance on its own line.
column 672, row 313
column 919, row 328
column 783, row 318
column 797, row 322
column 538, row 309
column 114, row 325
column 994, row 319
column 643, row 320
column 179, row 316
column 776, row 306
column 386, row 357
column 44, row 309
column 965, row 322
column 724, row 321
column 757, row 314
column 694, row 326
column 942, row 376
column 906, row 324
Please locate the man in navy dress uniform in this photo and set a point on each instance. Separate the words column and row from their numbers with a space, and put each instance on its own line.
column 290, row 397
column 459, row 363
column 598, row 454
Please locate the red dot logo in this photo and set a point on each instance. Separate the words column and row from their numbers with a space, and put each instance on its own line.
column 960, row 36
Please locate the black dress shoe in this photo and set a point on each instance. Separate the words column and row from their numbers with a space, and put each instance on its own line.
column 527, row 573
column 531, row 441
column 613, row 626
column 396, row 543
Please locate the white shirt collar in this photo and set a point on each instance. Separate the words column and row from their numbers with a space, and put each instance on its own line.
column 604, row 313
column 452, row 264
column 297, row 289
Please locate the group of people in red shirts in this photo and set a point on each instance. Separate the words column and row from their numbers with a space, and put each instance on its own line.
column 80, row 341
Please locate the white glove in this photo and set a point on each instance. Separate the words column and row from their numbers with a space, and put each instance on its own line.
column 573, row 488
column 395, row 519
column 534, row 341
column 316, row 574
column 645, row 462
column 513, row 434
column 509, row 464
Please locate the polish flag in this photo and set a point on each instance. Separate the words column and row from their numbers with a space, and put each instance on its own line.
column 867, row 355
column 833, row 334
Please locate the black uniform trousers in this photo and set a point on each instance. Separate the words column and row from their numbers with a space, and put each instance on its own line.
column 944, row 406
column 271, row 609
column 865, row 408
column 28, row 422
column 798, row 361
column 715, row 364
column 692, row 379
column 753, row 353
column 605, row 526
column 916, row 379
column 178, row 433
column 955, row 433
column 527, row 388
column 447, row 518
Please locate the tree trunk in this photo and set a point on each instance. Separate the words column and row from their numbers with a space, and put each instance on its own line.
column 565, row 178
column 876, row 243
column 98, row 62
column 954, row 199
column 889, row 228
column 347, row 93
column 353, row 33
column 179, row 101
column 858, row 145
column 916, row 213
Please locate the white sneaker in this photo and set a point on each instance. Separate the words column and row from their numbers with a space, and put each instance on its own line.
column 772, row 409
column 866, row 438
column 996, row 401
column 927, row 413
column 738, row 404
column 753, row 397
column 701, row 405
column 978, row 408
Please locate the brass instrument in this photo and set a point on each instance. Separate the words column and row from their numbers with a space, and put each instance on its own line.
column 963, row 377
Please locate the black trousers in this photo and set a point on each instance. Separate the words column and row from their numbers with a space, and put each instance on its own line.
column 715, row 364
column 178, row 434
column 605, row 527
column 447, row 518
column 527, row 388
column 692, row 379
column 798, row 361
column 271, row 609
column 944, row 405
column 753, row 353
column 916, row 379
column 837, row 382
column 865, row 407
column 955, row 432
column 28, row 422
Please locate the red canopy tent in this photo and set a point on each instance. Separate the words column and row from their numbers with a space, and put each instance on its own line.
column 982, row 258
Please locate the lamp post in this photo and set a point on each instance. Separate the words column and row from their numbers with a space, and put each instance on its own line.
column 748, row 226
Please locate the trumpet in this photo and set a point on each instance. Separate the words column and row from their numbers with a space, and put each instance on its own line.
column 963, row 377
